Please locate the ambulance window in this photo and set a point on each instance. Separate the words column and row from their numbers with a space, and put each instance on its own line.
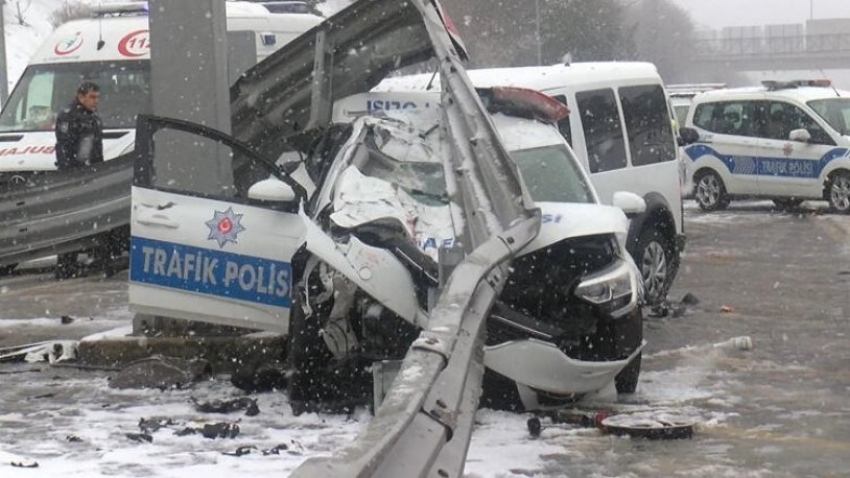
column 603, row 132
column 564, row 124
column 648, row 124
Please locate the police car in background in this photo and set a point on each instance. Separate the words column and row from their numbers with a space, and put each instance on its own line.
column 787, row 141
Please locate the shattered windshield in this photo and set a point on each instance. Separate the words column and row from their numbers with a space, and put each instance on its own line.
column 835, row 111
column 44, row 90
column 410, row 165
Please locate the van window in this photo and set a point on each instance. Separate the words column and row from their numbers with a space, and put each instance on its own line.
column 739, row 118
column 564, row 124
column 606, row 149
column 784, row 117
column 44, row 90
column 648, row 124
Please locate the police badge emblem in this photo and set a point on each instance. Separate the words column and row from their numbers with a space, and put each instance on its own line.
column 224, row 227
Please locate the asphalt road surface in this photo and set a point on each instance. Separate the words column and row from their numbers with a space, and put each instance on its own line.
column 781, row 409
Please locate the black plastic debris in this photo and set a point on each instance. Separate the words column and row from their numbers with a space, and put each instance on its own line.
column 162, row 373
column 242, row 450
column 212, row 431
column 228, row 406
column 66, row 319
column 276, row 450
column 140, row 437
column 74, row 439
column 252, row 378
column 151, row 425
column 690, row 299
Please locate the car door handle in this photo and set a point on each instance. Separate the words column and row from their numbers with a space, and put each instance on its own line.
column 156, row 219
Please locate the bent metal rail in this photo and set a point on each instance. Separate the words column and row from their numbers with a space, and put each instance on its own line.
column 424, row 425
column 56, row 213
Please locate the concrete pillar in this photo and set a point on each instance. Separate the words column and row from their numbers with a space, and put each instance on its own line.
column 190, row 81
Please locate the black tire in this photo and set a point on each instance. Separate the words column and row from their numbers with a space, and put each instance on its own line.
column 710, row 192
column 838, row 192
column 67, row 266
column 654, row 254
column 787, row 203
column 318, row 382
column 7, row 270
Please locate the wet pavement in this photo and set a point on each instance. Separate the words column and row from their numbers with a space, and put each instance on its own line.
column 781, row 409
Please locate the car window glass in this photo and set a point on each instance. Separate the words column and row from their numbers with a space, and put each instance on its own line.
column 835, row 111
column 564, row 124
column 738, row 118
column 552, row 174
column 648, row 124
column 784, row 117
column 603, row 133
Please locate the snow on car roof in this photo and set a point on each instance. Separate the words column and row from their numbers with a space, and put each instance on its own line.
column 801, row 94
column 542, row 78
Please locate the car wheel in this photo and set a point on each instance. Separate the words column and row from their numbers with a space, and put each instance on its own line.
column 654, row 257
column 308, row 359
column 838, row 192
column 7, row 270
column 710, row 192
column 787, row 203
column 318, row 381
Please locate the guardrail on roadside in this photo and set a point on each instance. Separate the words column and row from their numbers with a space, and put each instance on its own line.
column 424, row 425
column 56, row 213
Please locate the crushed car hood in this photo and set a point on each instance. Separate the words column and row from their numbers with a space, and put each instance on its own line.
column 293, row 90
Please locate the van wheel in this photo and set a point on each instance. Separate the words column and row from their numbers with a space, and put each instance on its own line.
column 710, row 192
column 654, row 255
column 838, row 192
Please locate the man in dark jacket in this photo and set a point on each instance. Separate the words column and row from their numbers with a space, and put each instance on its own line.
column 79, row 131
column 79, row 143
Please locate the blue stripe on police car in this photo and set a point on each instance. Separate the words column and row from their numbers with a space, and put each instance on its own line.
column 767, row 166
column 208, row 271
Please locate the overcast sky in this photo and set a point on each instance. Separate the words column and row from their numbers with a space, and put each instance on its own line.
column 725, row 13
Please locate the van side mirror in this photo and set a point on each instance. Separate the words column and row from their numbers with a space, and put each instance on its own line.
column 688, row 136
column 800, row 135
column 271, row 189
column 631, row 204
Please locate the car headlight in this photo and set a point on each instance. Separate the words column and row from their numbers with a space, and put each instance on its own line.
column 612, row 289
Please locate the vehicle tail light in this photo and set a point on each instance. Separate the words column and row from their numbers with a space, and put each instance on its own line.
column 541, row 105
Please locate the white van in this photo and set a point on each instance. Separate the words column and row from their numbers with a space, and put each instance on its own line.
column 113, row 50
column 620, row 128
column 786, row 141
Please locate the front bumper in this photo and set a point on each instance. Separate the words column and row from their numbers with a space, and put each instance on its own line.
column 543, row 367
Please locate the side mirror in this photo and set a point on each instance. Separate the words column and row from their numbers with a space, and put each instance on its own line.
column 630, row 203
column 271, row 189
column 688, row 136
column 800, row 135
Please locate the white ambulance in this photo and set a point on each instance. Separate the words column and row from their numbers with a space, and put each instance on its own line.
column 113, row 50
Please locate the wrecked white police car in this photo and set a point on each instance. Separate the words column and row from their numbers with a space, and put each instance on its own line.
column 339, row 249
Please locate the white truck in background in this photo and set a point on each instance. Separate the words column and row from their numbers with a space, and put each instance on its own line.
column 113, row 50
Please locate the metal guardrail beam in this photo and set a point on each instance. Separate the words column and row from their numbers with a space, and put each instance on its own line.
column 424, row 424
column 56, row 213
